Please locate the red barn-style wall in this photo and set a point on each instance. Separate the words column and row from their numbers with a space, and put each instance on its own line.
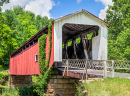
column 24, row 63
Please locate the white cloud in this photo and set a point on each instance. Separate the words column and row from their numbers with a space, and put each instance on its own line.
column 102, row 13
column 105, row 2
column 39, row 7
column 12, row 3
column 78, row 1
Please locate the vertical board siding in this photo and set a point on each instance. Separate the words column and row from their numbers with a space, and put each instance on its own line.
column 24, row 62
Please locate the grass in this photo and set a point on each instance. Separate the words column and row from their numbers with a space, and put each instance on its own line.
column 9, row 92
column 6, row 91
column 109, row 87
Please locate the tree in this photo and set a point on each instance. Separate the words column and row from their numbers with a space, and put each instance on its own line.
column 3, row 1
column 118, row 16
column 7, row 42
column 16, row 27
column 41, row 22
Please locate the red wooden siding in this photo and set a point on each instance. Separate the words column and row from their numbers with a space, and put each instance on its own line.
column 24, row 62
column 52, row 49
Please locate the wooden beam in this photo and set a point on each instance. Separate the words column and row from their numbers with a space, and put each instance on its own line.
column 70, row 29
column 78, row 33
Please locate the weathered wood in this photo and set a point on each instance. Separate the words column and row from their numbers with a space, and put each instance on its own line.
column 94, row 34
column 67, row 67
column 105, row 69
column 86, row 67
column 84, row 42
column 66, row 45
column 92, row 72
column 113, row 69
column 74, row 46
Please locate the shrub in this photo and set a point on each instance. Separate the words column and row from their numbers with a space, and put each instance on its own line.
column 3, row 75
column 42, row 80
column 3, row 78
column 1, row 67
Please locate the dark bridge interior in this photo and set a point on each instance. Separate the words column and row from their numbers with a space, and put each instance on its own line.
column 80, row 36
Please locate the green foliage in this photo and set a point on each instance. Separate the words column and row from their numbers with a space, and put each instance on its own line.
column 26, row 91
column 79, row 90
column 42, row 80
column 122, row 70
column 41, row 22
column 16, row 27
column 42, row 53
column 3, row 78
column 9, row 92
column 78, row 40
column 3, row 1
column 1, row 68
column 70, row 43
column 89, row 36
column 3, row 75
column 118, row 16
column 109, row 87
column 21, row 91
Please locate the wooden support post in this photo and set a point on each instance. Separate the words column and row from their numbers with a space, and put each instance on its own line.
column 67, row 67
column 86, row 67
column 64, row 71
column 84, row 42
column 112, row 69
column 97, row 33
column 73, row 42
column 66, row 45
column 105, row 69
column 94, row 34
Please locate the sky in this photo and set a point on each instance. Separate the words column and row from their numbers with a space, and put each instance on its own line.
column 57, row 8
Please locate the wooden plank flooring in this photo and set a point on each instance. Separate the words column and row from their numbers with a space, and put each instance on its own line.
column 97, row 73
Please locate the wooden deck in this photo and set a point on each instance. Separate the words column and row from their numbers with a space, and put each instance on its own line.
column 78, row 73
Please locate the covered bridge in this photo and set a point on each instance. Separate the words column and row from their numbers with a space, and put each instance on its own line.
column 24, row 61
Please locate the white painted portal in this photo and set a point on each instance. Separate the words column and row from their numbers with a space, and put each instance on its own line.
column 99, row 48
column 81, row 17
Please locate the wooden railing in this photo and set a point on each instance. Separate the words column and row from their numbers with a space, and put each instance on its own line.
column 104, row 65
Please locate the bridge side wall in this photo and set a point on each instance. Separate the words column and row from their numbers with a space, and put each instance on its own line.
column 24, row 63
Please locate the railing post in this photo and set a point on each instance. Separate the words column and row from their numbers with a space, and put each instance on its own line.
column 86, row 67
column 105, row 69
column 67, row 67
column 112, row 69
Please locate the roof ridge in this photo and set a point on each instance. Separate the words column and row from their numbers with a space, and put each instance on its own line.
column 82, row 10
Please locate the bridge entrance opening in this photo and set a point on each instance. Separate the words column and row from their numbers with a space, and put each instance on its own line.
column 77, row 40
